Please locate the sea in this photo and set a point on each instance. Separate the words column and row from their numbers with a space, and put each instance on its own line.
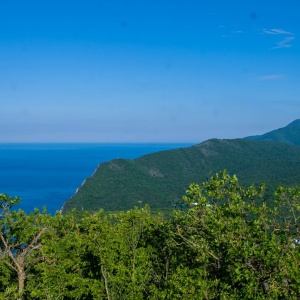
column 47, row 175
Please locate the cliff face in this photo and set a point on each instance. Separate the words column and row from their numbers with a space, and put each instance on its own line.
column 161, row 179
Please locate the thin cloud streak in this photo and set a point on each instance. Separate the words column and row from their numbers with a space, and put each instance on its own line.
column 285, row 43
column 275, row 31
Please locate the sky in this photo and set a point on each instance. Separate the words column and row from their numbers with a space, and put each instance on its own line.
column 147, row 71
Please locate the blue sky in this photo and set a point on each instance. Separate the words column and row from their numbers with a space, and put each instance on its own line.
column 147, row 71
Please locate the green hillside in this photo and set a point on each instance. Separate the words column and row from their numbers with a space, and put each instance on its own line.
column 160, row 179
column 289, row 134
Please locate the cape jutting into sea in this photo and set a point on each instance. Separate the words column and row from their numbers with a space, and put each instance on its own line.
column 49, row 174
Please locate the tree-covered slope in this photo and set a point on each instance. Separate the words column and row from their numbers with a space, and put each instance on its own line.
column 289, row 134
column 160, row 179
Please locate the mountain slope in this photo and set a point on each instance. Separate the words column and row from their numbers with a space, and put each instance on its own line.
column 160, row 179
column 289, row 134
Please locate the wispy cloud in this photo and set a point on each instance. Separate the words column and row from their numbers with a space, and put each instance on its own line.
column 276, row 31
column 271, row 77
column 285, row 42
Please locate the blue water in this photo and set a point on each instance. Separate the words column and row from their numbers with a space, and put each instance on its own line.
column 49, row 174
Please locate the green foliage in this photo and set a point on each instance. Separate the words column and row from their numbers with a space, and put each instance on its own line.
column 19, row 246
column 229, row 244
column 243, row 247
column 59, row 274
column 7, row 202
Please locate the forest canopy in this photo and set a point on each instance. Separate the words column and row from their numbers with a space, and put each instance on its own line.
column 230, row 243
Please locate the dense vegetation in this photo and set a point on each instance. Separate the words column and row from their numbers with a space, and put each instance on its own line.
column 160, row 179
column 230, row 244
column 289, row 134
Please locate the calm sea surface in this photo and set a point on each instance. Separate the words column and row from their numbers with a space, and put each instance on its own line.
column 49, row 174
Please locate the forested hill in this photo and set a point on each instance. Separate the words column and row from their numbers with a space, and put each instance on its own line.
column 161, row 179
column 289, row 134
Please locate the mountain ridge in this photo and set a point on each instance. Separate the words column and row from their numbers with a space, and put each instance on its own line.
column 160, row 179
column 289, row 134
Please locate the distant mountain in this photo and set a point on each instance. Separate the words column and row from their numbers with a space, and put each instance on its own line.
column 161, row 179
column 289, row 134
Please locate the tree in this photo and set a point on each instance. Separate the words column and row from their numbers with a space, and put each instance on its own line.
column 238, row 246
column 6, row 203
column 20, row 236
column 61, row 274
column 120, row 257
